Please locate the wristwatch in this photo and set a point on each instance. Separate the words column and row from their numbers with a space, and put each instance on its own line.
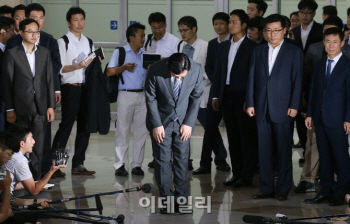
column 35, row 201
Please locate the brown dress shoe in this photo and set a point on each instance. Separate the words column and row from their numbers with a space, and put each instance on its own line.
column 59, row 173
column 263, row 195
column 81, row 170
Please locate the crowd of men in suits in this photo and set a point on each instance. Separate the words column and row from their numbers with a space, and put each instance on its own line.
column 260, row 75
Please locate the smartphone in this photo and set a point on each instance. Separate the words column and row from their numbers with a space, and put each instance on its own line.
column 3, row 173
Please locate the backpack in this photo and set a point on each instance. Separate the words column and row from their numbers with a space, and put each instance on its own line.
column 113, row 81
column 178, row 46
column 66, row 41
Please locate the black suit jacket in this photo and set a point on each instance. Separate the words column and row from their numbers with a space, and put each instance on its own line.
column 1, row 78
column 47, row 41
column 239, row 71
column 330, row 98
column 316, row 35
column 275, row 93
column 21, row 89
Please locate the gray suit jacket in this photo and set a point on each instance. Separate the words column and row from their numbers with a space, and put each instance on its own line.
column 21, row 89
column 160, row 98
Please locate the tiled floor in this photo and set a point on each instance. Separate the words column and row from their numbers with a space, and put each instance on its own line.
column 228, row 205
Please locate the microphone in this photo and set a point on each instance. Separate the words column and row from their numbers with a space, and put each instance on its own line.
column 256, row 219
column 98, row 204
column 148, row 188
column 120, row 219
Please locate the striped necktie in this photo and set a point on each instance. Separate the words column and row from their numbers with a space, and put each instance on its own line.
column 176, row 90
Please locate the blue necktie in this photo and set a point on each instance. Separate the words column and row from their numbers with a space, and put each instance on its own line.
column 176, row 90
column 329, row 67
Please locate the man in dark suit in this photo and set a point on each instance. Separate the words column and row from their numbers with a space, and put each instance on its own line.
column 37, row 12
column 273, row 97
column 29, row 89
column 174, row 88
column 309, row 32
column 329, row 109
column 7, row 30
column 229, row 91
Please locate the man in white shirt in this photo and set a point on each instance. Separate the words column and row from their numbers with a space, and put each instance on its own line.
column 73, row 50
column 160, row 41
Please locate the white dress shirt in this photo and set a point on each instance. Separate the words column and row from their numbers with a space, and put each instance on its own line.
column 165, row 46
column 273, row 53
column 231, row 57
column 76, row 52
column 305, row 33
column 335, row 61
column 2, row 47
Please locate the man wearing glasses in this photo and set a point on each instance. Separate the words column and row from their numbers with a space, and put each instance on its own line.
column 273, row 97
column 29, row 88
column 160, row 41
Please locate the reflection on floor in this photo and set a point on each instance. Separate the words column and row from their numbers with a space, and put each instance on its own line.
column 228, row 205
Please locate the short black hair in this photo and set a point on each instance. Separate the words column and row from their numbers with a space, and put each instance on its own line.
column 25, row 22
column 132, row 30
column 16, row 8
column 34, row 7
column 6, row 22
column 261, row 5
column 296, row 13
column 9, row 140
column 179, row 62
column 330, row 10
column 21, row 130
column 188, row 21
column 333, row 20
column 334, row 31
column 73, row 11
column 242, row 15
column 256, row 22
column 5, row 9
column 274, row 18
column 310, row 4
column 287, row 20
column 221, row 16
column 156, row 17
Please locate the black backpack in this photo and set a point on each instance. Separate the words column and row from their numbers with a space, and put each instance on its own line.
column 149, row 38
column 113, row 81
column 66, row 41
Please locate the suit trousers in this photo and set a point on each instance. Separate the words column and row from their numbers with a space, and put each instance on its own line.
column 301, row 129
column 242, row 136
column 47, row 151
column 311, row 164
column 73, row 109
column 38, row 125
column 131, row 112
column 275, row 137
column 212, row 140
column 162, row 152
column 332, row 144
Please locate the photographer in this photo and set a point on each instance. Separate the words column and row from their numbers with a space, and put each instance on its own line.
column 19, row 168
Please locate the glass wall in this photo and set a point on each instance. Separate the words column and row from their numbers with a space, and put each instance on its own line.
column 342, row 6
column 289, row 6
column 203, row 11
column 242, row 4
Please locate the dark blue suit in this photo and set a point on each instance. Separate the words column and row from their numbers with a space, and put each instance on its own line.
column 272, row 95
column 2, row 103
column 46, row 40
column 241, row 129
column 329, row 108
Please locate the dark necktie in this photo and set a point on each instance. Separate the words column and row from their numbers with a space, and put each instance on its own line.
column 176, row 90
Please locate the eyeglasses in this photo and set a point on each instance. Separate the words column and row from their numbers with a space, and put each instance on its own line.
column 273, row 31
column 305, row 13
column 183, row 31
column 33, row 32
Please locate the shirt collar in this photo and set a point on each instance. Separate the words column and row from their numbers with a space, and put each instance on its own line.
column 228, row 37
column 194, row 44
column 336, row 59
column 276, row 48
column 2, row 47
column 25, row 49
column 70, row 35
column 238, row 42
column 308, row 28
column 165, row 37
column 128, row 48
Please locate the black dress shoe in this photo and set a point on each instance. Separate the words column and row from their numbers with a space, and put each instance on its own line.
column 201, row 170
column 231, row 181
column 263, row 195
column 318, row 199
column 336, row 201
column 121, row 171
column 281, row 197
column 243, row 183
column 223, row 167
column 190, row 167
column 137, row 171
column 151, row 164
